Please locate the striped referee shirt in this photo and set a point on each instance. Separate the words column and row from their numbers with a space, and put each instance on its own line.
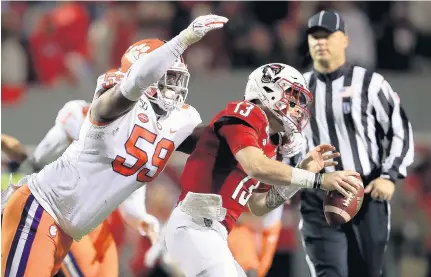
column 357, row 111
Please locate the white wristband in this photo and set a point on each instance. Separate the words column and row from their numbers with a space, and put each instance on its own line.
column 129, row 90
column 302, row 178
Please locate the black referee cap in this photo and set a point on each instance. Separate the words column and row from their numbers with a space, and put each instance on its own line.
column 328, row 20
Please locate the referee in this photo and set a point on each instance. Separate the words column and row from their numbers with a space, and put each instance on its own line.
column 357, row 111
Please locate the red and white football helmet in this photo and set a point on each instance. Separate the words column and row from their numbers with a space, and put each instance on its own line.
column 281, row 88
column 171, row 90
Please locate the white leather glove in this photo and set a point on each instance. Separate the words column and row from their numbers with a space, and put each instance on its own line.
column 150, row 227
column 152, row 255
column 156, row 250
column 200, row 27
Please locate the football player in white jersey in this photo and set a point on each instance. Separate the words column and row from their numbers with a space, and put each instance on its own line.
column 133, row 125
column 88, row 256
column 66, row 130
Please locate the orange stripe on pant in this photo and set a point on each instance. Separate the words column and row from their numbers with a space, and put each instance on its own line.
column 32, row 243
column 244, row 243
column 95, row 255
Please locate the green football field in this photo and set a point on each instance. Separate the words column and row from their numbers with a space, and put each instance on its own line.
column 5, row 179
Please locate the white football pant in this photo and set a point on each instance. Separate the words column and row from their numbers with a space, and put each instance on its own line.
column 200, row 247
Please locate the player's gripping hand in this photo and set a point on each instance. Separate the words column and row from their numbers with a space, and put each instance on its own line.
column 341, row 181
column 150, row 227
column 200, row 27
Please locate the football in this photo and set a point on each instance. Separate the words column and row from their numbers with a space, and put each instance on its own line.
column 339, row 209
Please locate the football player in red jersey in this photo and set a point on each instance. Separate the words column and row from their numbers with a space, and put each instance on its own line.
column 233, row 156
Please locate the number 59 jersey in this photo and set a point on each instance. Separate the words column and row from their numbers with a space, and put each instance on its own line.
column 109, row 162
column 212, row 167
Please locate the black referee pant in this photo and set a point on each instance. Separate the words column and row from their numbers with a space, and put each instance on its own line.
column 351, row 250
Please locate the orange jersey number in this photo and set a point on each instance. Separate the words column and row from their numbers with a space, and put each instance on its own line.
column 158, row 160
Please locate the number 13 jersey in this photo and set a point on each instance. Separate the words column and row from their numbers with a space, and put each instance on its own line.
column 107, row 163
column 212, row 167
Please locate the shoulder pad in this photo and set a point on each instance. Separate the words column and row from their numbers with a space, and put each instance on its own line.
column 109, row 80
column 76, row 108
column 248, row 112
column 190, row 115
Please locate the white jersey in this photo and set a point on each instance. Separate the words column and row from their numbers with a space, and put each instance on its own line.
column 72, row 116
column 108, row 163
column 66, row 129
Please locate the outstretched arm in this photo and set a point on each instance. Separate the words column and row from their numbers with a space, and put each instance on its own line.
column 320, row 157
column 285, row 179
column 148, row 69
column 51, row 147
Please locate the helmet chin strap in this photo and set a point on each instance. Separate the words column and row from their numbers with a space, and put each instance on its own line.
column 157, row 110
column 287, row 122
column 163, row 105
column 289, row 125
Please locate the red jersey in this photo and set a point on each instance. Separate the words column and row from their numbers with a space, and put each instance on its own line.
column 212, row 167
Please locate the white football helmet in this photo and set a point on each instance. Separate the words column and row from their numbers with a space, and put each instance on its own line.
column 171, row 90
column 283, row 90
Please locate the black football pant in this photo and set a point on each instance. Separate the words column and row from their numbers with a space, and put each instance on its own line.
column 355, row 249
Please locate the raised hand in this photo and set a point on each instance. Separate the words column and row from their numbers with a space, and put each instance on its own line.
column 320, row 157
column 200, row 27
column 150, row 227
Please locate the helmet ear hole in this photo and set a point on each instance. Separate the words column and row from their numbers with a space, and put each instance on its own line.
column 267, row 89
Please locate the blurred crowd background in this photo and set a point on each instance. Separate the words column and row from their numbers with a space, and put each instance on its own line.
column 56, row 45
column 49, row 43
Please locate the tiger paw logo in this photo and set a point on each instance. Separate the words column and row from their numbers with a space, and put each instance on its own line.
column 136, row 51
column 53, row 231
